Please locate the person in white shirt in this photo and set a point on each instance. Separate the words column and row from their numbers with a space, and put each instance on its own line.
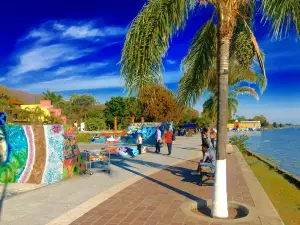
column 139, row 143
column 158, row 140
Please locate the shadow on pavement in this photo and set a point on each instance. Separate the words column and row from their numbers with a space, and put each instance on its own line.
column 129, row 165
column 125, row 166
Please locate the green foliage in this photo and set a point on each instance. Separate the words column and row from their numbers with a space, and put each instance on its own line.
column 133, row 107
column 82, row 102
column 203, row 121
column 282, row 14
column 114, row 107
column 239, row 142
column 84, row 138
column 197, row 63
column 95, row 119
column 275, row 125
column 263, row 121
column 244, row 50
column 53, row 97
column 147, row 41
column 95, row 124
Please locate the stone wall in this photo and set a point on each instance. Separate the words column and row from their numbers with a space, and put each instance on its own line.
column 38, row 154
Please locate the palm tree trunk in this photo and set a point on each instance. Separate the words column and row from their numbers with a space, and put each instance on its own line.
column 220, row 205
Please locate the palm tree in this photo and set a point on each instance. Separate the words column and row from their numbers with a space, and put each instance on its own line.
column 147, row 41
column 210, row 106
column 53, row 97
column 238, row 79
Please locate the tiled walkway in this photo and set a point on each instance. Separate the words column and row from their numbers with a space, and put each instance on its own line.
column 157, row 199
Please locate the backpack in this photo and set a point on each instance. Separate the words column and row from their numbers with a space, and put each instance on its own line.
column 173, row 137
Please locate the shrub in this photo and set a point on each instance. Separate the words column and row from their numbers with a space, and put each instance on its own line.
column 239, row 142
column 83, row 138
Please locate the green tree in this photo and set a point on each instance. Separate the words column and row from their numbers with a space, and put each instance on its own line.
column 53, row 97
column 242, row 118
column 237, row 74
column 148, row 41
column 114, row 107
column 133, row 107
column 82, row 103
column 275, row 125
column 263, row 120
column 190, row 115
column 95, row 123
column 95, row 119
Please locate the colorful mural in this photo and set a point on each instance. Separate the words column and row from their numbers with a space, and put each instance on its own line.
column 147, row 130
column 73, row 163
column 38, row 154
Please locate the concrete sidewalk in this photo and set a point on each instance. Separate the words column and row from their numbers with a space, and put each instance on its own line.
column 165, row 197
column 43, row 205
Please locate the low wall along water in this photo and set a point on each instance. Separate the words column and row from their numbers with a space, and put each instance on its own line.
column 38, row 154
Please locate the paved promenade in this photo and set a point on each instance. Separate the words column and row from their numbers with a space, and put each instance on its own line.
column 45, row 204
column 161, row 198
column 150, row 189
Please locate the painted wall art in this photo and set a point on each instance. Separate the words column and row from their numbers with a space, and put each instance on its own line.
column 147, row 130
column 38, row 154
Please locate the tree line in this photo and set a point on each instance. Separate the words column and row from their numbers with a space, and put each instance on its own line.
column 155, row 104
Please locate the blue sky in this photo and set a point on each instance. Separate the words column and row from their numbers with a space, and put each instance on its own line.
column 74, row 47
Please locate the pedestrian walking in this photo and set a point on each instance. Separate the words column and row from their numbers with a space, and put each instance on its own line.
column 158, row 140
column 139, row 143
column 213, row 136
column 168, row 136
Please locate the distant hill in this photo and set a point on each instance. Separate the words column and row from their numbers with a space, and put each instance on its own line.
column 22, row 96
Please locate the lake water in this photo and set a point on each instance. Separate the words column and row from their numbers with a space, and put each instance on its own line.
column 282, row 146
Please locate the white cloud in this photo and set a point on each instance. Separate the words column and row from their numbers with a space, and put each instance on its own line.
column 88, row 31
column 87, row 82
column 45, row 57
column 52, row 30
column 81, row 68
column 75, row 83
column 171, row 62
column 59, row 26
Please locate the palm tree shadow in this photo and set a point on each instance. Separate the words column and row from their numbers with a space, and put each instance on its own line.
column 150, row 152
column 178, row 171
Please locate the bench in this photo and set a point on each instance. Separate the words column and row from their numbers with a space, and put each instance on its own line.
column 206, row 172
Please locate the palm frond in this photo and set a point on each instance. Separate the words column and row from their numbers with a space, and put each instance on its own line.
column 258, row 51
column 283, row 14
column 245, row 90
column 197, row 64
column 238, row 75
column 148, row 40
column 210, row 108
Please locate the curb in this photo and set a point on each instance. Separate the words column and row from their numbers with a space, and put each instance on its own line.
column 263, row 206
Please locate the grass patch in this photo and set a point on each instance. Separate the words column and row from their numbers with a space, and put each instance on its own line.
column 284, row 195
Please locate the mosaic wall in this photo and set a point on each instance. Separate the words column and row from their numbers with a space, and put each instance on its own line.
column 38, row 154
column 147, row 130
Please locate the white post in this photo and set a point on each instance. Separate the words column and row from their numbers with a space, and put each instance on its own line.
column 220, row 205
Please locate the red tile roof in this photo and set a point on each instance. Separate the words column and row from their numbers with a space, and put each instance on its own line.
column 15, row 102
